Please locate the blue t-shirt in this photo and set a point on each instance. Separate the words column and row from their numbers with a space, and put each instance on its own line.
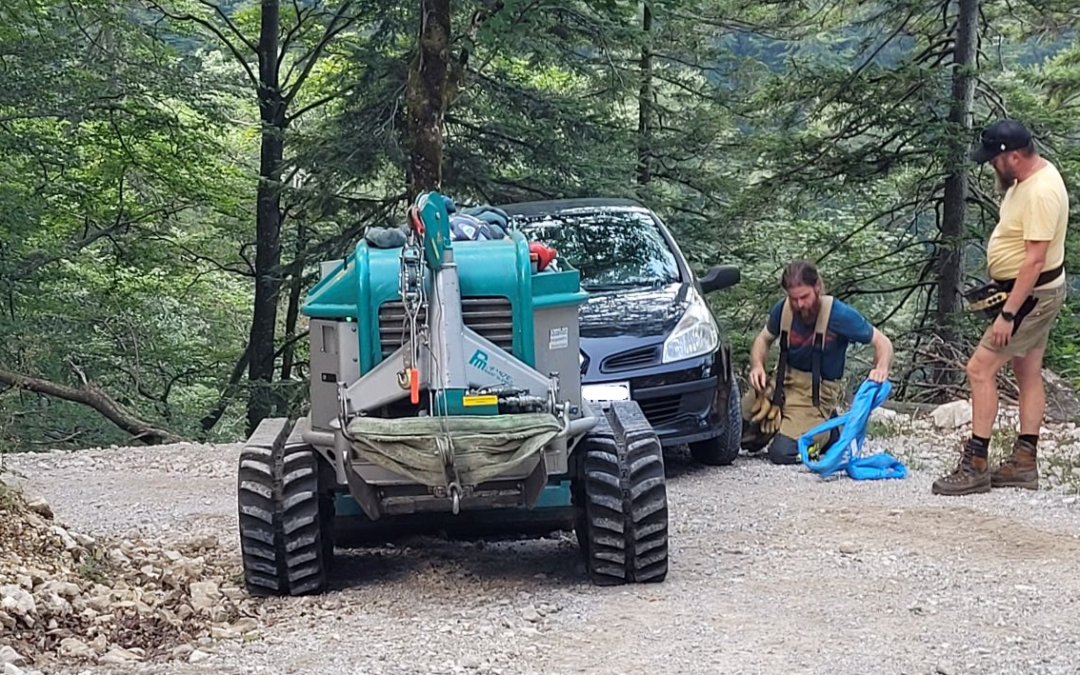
column 846, row 325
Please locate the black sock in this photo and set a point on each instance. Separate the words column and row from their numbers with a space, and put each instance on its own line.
column 1030, row 439
column 979, row 446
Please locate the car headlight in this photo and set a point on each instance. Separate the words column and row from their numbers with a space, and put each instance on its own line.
column 695, row 335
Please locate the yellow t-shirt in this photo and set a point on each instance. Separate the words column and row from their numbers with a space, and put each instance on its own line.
column 1036, row 209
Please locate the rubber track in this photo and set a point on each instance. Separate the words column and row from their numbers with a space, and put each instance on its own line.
column 280, row 537
column 626, row 512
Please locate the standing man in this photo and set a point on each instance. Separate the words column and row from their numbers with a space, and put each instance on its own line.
column 1025, row 256
column 815, row 331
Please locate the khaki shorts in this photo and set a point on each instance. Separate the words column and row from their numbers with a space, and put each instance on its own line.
column 1034, row 330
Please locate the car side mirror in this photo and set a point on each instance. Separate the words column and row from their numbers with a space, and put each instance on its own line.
column 720, row 276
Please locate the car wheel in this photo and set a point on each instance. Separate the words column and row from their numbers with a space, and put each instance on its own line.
column 723, row 449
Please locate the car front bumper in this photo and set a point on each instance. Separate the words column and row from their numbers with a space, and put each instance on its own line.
column 684, row 401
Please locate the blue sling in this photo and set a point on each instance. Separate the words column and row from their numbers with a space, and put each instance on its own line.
column 845, row 453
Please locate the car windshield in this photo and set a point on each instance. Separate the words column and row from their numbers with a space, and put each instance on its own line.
column 611, row 249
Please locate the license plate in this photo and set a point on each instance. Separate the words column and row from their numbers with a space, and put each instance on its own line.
column 604, row 393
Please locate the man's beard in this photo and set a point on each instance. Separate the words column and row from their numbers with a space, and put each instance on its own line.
column 1004, row 181
column 809, row 316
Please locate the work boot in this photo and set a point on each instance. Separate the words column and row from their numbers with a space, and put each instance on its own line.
column 970, row 477
column 1020, row 469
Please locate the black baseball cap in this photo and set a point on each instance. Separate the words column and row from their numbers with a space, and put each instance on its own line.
column 1000, row 137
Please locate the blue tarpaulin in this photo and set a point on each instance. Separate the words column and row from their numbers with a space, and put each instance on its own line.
column 846, row 453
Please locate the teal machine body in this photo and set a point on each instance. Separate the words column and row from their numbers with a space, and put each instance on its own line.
column 360, row 321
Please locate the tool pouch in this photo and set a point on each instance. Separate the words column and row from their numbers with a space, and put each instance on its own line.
column 988, row 299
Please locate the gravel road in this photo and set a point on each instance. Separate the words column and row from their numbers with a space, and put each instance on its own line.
column 771, row 571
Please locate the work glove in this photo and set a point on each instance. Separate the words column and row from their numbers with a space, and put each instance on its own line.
column 766, row 415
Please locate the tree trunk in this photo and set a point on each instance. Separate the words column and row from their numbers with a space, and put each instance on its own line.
column 950, row 253
column 210, row 420
column 425, row 97
column 645, row 94
column 267, row 220
column 292, row 314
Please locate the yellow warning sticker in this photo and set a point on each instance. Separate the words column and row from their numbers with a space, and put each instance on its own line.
column 479, row 400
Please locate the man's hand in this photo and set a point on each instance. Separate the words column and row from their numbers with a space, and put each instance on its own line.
column 883, row 351
column 757, row 378
column 1001, row 333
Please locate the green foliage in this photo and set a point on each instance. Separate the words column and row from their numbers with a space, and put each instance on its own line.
column 113, row 188
column 93, row 568
column 9, row 496
column 771, row 130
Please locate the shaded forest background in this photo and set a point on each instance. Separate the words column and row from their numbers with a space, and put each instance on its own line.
column 173, row 171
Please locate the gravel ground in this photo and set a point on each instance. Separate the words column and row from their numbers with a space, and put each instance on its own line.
column 772, row 571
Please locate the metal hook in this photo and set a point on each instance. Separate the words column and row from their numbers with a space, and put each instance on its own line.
column 343, row 410
column 455, row 495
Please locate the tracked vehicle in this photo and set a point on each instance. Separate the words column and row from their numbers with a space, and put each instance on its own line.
column 445, row 379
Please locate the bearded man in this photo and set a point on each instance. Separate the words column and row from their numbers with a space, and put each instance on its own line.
column 815, row 331
column 1025, row 258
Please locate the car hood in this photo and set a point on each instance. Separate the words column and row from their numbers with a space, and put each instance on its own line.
column 646, row 312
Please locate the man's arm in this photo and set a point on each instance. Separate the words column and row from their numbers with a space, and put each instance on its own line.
column 883, row 353
column 1030, row 269
column 758, row 352
column 854, row 326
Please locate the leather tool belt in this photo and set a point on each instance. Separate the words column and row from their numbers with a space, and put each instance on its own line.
column 989, row 298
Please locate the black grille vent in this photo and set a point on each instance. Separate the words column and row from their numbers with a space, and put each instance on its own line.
column 635, row 358
column 660, row 410
column 491, row 317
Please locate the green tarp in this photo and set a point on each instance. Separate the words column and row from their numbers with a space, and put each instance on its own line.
column 483, row 446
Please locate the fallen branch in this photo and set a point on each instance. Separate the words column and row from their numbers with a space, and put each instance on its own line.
column 91, row 395
column 64, row 439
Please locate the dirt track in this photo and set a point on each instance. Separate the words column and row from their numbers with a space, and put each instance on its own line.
column 772, row 571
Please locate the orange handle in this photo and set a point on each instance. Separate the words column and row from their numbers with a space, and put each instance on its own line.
column 415, row 220
column 414, row 385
